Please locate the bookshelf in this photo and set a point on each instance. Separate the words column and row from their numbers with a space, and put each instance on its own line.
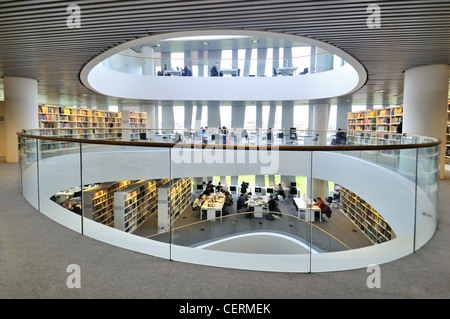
column 383, row 121
column 134, row 204
column 365, row 217
column 134, row 123
column 98, row 201
column 447, row 144
column 173, row 198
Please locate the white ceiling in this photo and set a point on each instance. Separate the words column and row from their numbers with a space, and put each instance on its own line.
column 36, row 42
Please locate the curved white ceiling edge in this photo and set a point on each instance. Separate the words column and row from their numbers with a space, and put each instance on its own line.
column 340, row 81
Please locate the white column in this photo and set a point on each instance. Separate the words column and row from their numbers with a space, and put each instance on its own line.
column 320, row 125
column 148, row 61
column 21, row 111
column 425, row 104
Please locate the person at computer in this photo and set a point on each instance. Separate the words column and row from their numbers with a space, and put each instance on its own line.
column 324, row 209
column 240, row 203
column 273, row 206
column 219, row 188
column 280, row 191
column 224, row 132
column 215, row 69
column 186, row 71
column 209, row 187
column 244, row 187
column 269, row 135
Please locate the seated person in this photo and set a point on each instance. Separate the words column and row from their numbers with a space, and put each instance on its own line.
column 215, row 70
column 240, row 203
column 324, row 209
column 280, row 191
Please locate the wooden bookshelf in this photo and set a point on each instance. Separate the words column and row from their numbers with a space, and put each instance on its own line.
column 134, row 204
column 173, row 198
column 447, row 145
column 365, row 217
column 98, row 201
column 134, row 123
column 383, row 121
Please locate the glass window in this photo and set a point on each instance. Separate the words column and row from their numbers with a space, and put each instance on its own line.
column 253, row 62
column 301, row 57
column 277, row 122
column 250, row 117
column 225, row 115
column 269, row 62
column 332, row 117
column 301, row 116
column 178, row 116
column 226, row 61
column 241, row 60
column 177, row 60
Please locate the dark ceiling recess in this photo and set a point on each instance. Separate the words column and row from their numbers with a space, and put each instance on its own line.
column 36, row 42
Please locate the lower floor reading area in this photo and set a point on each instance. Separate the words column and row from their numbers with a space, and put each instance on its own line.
column 222, row 212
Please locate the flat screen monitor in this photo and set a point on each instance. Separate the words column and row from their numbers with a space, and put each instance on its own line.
column 269, row 191
column 293, row 191
column 293, row 184
column 257, row 189
column 199, row 187
column 232, row 188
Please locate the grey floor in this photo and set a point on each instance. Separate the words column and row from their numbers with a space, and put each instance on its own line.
column 35, row 253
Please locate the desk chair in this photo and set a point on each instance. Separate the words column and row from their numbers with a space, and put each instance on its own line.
column 305, row 70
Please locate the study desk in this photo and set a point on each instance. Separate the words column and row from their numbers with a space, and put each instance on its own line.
column 287, row 70
column 212, row 205
column 259, row 203
column 232, row 72
column 302, row 206
column 172, row 72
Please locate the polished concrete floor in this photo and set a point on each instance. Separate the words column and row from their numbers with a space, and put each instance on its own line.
column 35, row 253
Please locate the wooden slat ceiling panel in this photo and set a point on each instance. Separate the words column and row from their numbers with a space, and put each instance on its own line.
column 35, row 41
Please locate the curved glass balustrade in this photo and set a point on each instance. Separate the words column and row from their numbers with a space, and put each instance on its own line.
column 138, row 192
column 129, row 61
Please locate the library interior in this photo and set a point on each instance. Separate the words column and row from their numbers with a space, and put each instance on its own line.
column 236, row 148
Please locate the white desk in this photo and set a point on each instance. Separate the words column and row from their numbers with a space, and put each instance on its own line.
column 301, row 206
column 287, row 70
column 172, row 72
column 259, row 203
column 212, row 206
column 233, row 72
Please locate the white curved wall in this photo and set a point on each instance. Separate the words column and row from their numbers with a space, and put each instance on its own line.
column 388, row 192
column 327, row 84
column 337, row 82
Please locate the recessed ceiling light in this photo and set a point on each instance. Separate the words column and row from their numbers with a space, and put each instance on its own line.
column 255, row 41
column 205, row 43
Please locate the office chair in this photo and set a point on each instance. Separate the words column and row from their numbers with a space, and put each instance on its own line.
column 305, row 70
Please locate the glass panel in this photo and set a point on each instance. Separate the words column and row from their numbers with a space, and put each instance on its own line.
column 427, row 191
column 376, row 208
column 123, row 196
column 59, row 182
column 29, row 170
column 213, row 227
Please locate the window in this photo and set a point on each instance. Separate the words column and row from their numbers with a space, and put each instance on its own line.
column 178, row 116
column 332, row 118
column 226, row 61
column 250, row 117
column 301, row 57
column 177, row 60
column 225, row 115
column 301, row 116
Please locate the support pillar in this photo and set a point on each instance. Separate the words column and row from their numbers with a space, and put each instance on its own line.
column 425, row 105
column 21, row 111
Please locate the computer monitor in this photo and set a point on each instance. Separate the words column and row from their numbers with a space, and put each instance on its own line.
column 293, row 184
column 293, row 191
column 269, row 190
column 257, row 189
column 199, row 186
column 232, row 188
